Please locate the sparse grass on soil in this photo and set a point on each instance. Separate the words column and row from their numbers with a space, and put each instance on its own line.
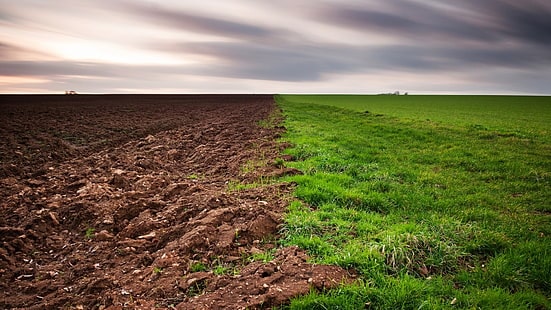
column 437, row 201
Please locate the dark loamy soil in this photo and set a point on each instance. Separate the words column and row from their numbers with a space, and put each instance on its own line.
column 126, row 201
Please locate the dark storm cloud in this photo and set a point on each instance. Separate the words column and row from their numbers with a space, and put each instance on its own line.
column 449, row 57
column 186, row 21
column 311, row 62
column 407, row 20
column 450, row 35
column 527, row 21
column 284, row 62
column 430, row 38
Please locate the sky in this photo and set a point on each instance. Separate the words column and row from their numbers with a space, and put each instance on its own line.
column 282, row 46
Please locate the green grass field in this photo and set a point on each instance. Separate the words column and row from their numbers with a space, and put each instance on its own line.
column 437, row 201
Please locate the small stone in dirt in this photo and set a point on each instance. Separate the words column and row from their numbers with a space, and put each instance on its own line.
column 76, row 185
column 118, row 171
column 103, row 235
column 149, row 236
column 118, row 181
column 54, row 205
column 54, row 217
column 255, row 251
column 232, row 258
column 172, row 154
column 193, row 279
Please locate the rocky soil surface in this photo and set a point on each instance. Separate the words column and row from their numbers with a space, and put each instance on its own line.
column 140, row 202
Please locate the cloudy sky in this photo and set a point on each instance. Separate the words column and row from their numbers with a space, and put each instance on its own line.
column 251, row 46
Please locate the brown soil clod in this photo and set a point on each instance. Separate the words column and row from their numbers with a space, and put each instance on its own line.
column 112, row 202
column 261, row 285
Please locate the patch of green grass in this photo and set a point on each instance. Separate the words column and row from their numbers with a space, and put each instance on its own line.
column 451, row 212
column 279, row 162
column 89, row 233
column 220, row 270
column 193, row 176
column 157, row 270
column 253, row 165
column 265, row 256
column 235, row 185
column 198, row 266
column 219, row 267
column 271, row 121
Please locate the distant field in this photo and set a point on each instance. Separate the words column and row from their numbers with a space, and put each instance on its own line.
column 439, row 202
column 529, row 115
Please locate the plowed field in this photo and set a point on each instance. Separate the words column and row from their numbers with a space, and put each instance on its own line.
column 132, row 201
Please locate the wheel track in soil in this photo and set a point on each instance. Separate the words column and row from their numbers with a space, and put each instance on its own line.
column 125, row 225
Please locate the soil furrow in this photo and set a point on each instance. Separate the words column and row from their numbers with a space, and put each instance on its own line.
column 105, row 207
